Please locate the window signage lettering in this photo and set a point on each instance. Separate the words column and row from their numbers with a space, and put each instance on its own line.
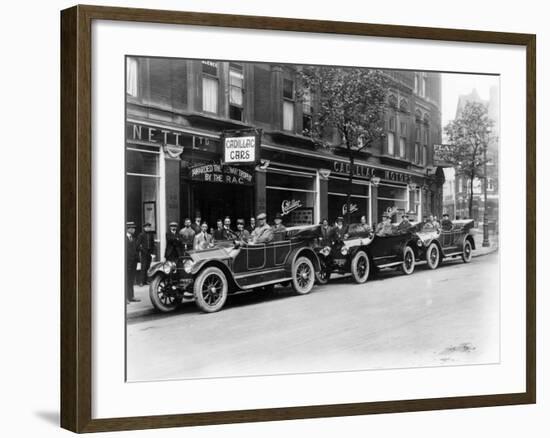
column 221, row 174
column 362, row 171
column 289, row 205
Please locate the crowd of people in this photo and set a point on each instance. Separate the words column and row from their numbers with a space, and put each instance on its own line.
column 198, row 235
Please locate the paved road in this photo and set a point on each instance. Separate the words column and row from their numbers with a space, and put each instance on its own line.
column 449, row 316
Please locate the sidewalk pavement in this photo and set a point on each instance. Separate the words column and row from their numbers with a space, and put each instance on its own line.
column 144, row 307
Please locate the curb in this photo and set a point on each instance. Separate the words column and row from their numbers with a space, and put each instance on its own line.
column 490, row 251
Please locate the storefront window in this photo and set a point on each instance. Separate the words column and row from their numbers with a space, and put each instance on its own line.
column 293, row 195
column 391, row 198
column 414, row 203
column 338, row 189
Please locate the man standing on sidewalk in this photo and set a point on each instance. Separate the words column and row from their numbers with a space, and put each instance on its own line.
column 131, row 261
column 146, row 247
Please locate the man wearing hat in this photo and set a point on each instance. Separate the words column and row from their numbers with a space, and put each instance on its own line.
column 145, row 247
column 446, row 223
column 131, row 261
column 404, row 224
column 326, row 233
column 384, row 228
column 339, row 230
column 242, row 234
column 262, row 233
column 278, row 227
column 174, row 246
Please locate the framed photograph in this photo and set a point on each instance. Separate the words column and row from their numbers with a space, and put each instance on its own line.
column 343, row 224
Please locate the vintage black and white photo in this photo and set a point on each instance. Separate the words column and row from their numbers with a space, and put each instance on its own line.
column 285, row 218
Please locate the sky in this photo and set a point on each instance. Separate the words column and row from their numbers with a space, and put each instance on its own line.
column 455, row 84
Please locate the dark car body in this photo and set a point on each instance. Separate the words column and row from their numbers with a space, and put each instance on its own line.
column 455, row 241
column 381, row 251
column 244, row 266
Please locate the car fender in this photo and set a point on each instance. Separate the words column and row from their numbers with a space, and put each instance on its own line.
column 203, row 264
column 299, row 252
column 156, row 267
column 470, row 238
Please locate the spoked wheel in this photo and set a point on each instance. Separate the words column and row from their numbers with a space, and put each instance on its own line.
column 161, row 296
column 408, row 261
column 432, row 256
column 467, row 252
column 210, row 289
column 360, row 267
column 303, row 276
column 323, row 276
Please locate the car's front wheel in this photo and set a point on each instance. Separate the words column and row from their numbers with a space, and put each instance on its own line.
column 210, row 289
column 467, row 252
column 323, row 276
column 408, row 261
column 360, row 267
column 432, row 256
column 303, row 276
column 162, row 298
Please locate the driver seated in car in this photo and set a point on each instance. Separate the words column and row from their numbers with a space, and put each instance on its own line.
column 263, row 232
column 364, row 226
column 404, row 224
column 384, row 228
column 446, row 223
column 278, row 227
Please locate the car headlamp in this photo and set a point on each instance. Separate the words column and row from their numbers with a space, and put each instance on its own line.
column 419, row 242
column 325, row 251
column 168, row 267
column 188, row 265
column 344, row 250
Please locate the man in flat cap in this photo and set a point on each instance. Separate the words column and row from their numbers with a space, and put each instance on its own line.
column 446, row 223
column 339, row 231
column 404, row 224
column 242, row 234
column 131, row 261
column 278, row 226
column 262, row 233
column 384, row 228
column 174, row 246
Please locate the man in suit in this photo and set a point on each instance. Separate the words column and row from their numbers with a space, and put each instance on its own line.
column 145, row 247
column 252, row 225
column 174, row 246
column 228, row 233
column 278, row 226
column 446, row 223
column 404, row 224
column 131, row 262
column 196, row 226
column 218, row 232
column 339, row 231
column 187, row 235
column 262, row 233
column 365, row 227
column 242, row 234
column 203, row 240
column 326, row 231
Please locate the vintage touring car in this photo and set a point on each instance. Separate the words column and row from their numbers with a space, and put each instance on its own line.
column 362, row 252
column 454, row 241
column 208, row 276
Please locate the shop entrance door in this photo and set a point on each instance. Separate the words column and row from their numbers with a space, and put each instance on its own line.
column 215, row 200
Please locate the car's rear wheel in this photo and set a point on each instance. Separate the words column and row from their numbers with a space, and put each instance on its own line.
column 360, row 267
column 161, row 296
column 467, row 252
column 210, row 289
column 408, row 261
column 432, row 256
column 303, row 276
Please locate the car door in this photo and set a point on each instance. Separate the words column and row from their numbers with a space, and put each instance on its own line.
column 256, row 256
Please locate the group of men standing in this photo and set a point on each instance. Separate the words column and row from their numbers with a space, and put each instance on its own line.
column 198, row 236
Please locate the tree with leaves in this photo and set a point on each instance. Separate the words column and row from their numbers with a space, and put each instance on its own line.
column 468, row 138
column 350, row 101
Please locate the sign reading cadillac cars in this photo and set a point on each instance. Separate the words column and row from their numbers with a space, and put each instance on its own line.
column 241, row 147
column 363, row 171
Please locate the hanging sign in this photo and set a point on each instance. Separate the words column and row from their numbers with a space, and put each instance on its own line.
column 241, row 147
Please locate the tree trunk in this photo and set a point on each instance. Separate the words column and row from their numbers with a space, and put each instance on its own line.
column 471, row 198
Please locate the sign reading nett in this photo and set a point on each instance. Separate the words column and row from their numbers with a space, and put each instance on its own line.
column 240, row 149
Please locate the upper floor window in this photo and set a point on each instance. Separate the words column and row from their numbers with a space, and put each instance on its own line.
column 423, row 85
column 288, row 104
column 236, row 91
column 307, row 112
column 210, row 86
column 131, row 76
column 425, row 155
column 391, row 135
column 416, row 82
column 416, row 153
